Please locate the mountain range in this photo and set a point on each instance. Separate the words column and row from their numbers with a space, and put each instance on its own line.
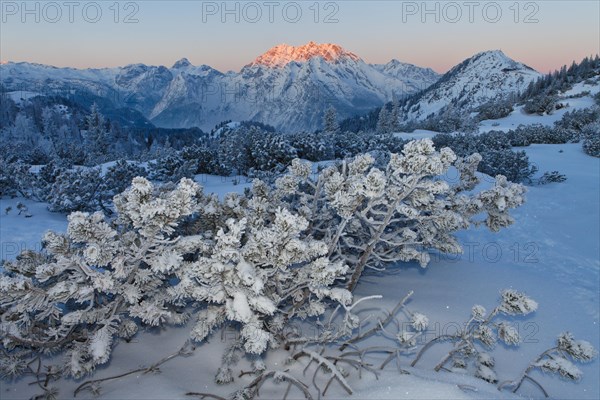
column 288, row 87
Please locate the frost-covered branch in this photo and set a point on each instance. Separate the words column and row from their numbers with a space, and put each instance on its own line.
column 556, row 360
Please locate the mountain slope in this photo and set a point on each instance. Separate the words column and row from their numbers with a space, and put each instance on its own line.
column 486, row 76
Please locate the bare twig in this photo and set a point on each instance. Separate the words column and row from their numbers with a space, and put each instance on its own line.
column 87, row 384
column 205, row 395
column 381, row 324
column 525, row 374
column 327, row 363
column 257, row 383
column 429, row 344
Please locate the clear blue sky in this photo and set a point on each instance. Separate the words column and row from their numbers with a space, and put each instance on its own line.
column 543, row 34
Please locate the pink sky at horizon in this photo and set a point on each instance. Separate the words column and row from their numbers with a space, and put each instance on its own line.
column 544, row 35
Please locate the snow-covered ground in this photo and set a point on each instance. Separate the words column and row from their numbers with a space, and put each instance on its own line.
column 416, row 134
column 551, row 253
column 18, row 233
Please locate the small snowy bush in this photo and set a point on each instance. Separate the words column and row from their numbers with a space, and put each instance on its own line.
column 551, row 177
column 14, row 177
column 576, row 120
column 118, row 177
column 494, row 110
column 525, row 135
column 91, row 285
column 541, row 104
column 512, row 164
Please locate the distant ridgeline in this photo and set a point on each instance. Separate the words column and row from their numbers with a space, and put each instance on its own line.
column 287, row 87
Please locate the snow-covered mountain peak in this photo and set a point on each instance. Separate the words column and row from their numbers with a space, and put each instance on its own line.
column 493, row 60
column 394, row 62
column 281, row 55
column 183, row 63
column 486, row 76
column 492, row 53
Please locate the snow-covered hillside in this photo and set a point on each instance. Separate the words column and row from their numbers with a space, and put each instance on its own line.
column 487, row 76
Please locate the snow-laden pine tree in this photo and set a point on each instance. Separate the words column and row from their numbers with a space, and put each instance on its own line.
column 384, row 120
column 97, row 136
column 395, row 116
column 330, row 122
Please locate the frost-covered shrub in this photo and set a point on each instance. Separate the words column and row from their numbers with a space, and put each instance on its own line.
column 349, row 144
column 203, row 157
column 576, row 120
column 312, row 146
column 384, row 143
column 495, row 150
column 591, row 139
column 551, row 177
column 557, row 360
column 171, row 168
column 461, row 144
column 450, row 119
column 525, row 135
column 512, row 164
column 76, row 190
column 92, row 284
column 246, row 150
column 376, row 216
column 118, row 177
column 14, row 177
column 268, row 151
column 541, row 104
column 493, row 140
column 340, row 145
column 494, row 110
column 258, row 261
